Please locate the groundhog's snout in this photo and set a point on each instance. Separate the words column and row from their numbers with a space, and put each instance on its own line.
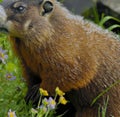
column 3, row 15
column 3, row 18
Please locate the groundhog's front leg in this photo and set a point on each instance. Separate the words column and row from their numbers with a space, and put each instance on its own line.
column 33, row 95
column 33, row 82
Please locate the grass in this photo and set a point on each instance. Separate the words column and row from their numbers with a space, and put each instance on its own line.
column 13, row 87
column 107, row 18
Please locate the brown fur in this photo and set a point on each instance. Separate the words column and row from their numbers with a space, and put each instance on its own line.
column 60, row 49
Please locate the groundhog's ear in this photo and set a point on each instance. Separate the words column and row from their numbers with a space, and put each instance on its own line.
column 47, row 7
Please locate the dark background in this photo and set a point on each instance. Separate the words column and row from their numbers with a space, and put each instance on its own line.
column 77, row 6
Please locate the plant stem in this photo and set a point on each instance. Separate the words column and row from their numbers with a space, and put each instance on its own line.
column 39, row 101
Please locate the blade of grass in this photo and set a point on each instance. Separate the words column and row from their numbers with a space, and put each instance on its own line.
column 106, row 18
column 104, row 108
column 105, row 91
column 113, row 27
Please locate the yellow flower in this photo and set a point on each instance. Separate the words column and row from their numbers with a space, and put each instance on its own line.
column 59, row 92
column 62, row 100
column 11, row 113
column 43, row 92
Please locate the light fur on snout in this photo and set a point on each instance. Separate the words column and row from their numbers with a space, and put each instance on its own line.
column 3, row 15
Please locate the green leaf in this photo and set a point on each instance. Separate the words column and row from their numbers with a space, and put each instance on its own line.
column 10, row 67
column 106, row 18
column 105, row 91
column 113, row 27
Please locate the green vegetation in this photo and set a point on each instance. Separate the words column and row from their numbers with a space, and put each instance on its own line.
column 107, row 18
column 102, row 19
column 12, row 87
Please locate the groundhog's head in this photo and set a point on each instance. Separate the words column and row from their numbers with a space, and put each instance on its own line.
column 23, row 18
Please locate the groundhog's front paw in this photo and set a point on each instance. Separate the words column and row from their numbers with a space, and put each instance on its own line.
column 33, row 95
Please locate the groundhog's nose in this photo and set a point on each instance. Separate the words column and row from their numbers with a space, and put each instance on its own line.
column 3, row 17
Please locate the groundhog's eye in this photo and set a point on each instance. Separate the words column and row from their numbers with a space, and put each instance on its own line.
column 19, row 7
column 48, row 7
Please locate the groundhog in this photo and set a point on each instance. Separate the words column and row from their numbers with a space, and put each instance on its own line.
column 59, row 49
